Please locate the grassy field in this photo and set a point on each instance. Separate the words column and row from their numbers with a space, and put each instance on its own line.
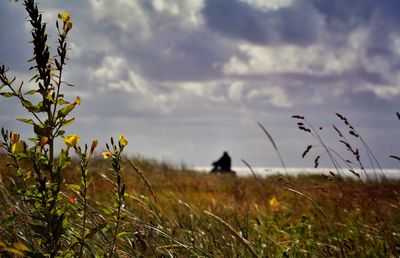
column 181, row 213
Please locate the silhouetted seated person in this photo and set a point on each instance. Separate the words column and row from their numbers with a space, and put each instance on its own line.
column 223, row 165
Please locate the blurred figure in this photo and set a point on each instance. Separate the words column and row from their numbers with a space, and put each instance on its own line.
column 223, row 164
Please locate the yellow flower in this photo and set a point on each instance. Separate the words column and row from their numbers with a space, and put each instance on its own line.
column 72, row 140
column 64, row 16
column 273, row 204
column 122, row 140
column 14, row 137
column 18, row 147
column 107, row 154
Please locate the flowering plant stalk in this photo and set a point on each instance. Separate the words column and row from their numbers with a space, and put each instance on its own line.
column 117, row 215
column 39, row 167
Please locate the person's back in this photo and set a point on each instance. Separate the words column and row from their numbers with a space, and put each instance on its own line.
column 223, row 164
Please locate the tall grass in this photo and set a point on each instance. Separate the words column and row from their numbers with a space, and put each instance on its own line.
column 359, row 218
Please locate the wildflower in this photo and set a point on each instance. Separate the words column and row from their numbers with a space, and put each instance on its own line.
column 72, row 141
column 64, row 16
column 94, row 144
column 122, row 140
column 107, row 154
column 14, row 137
column 18, row 147
column 71, row 200
column 273, row 204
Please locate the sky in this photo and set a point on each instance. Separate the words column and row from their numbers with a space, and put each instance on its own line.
column 185, row 80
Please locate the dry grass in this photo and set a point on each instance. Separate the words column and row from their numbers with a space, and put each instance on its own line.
column 360, row 217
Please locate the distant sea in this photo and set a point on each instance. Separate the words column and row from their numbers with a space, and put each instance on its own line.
column 268, row 171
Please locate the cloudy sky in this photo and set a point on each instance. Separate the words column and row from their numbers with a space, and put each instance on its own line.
column 185, row 80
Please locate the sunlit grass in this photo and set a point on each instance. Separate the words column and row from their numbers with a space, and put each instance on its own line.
column 361, row 218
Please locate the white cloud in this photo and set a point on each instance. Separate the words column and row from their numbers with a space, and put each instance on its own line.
column 126, row 15
column 204, row 91
column 314, row 60
column 236, row 91
column 317, row 60
column 168, row 7
column 386, row 92
column 269, row 4
column 114, row 74
column 111, row 69
column 188, row 11
column 274, row 95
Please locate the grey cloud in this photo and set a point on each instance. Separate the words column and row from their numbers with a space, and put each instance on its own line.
column 171, row 52
column 380, row 17
column 14, row 45
column 342, row 15
column 297, row 24
column 304, row 23
column 191, row 57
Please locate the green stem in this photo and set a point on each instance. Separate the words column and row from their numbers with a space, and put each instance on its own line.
column 119, row 205
column 83, row 194
column 83, row 223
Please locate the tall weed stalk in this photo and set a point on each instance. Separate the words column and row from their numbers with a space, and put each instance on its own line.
column 39, row 168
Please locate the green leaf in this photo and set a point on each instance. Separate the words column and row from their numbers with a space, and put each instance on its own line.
column 107, row 211
column 50, row 98
column 61, row 101
column 20, row 172
column 32, row 59
column 68, row 122
column 60, row 133
column 7, row 221
column 15, row 251
column 73, row 187
column 34, row 77
column 25, row 120
column 39, row 130
column 7, row 94
column 121, row 234
column 64, row 111
column 21, row 155
column 20, row 88
column 31, row 92
column 30, row 106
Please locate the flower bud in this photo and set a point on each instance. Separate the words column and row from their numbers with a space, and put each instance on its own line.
column 14, row 137
column 93, row 147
